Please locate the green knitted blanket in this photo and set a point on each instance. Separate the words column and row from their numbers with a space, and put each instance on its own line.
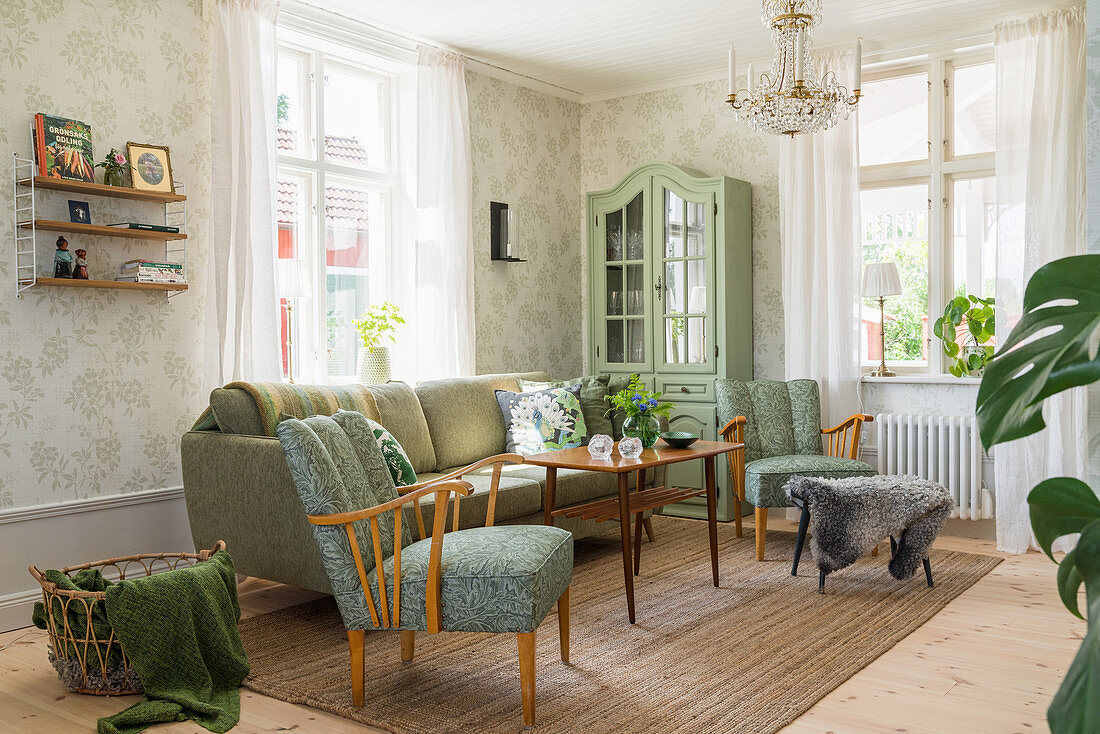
column 179, row 630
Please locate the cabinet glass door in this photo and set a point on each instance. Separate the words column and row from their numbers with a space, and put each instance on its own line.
column 685, row 280
column 622, row 342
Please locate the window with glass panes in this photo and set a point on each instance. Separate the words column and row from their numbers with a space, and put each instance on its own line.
column 336, row 186
column 928, row 198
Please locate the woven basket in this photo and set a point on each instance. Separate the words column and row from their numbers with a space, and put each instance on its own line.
column 78, row 655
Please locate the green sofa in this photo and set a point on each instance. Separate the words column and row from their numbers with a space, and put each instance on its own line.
column 238, row 488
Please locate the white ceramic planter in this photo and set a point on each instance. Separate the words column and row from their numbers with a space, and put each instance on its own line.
column 374, row 365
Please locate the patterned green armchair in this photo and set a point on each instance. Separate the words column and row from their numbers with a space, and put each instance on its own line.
column 489, row 579
column 780, row 425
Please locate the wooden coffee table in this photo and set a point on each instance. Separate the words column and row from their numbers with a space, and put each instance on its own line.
column 629, row 503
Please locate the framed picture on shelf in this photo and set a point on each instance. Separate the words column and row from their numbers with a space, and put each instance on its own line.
column 79, row 213
column 150, row 167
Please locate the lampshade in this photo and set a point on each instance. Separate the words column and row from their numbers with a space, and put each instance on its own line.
column 291, row 278
column 881, row 279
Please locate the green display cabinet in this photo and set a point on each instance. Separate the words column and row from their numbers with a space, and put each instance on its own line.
column 670, row 293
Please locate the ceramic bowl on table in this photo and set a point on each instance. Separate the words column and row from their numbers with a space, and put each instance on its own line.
column 679, row 439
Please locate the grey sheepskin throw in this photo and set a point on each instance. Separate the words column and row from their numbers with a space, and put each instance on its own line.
column 848, row 517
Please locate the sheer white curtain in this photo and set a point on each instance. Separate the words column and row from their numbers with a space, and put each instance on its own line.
column 242, row 328
column 819, row 229
column 435, row 289
column 1041, row 217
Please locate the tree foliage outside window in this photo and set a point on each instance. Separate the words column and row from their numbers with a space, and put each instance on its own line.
column 901, row 238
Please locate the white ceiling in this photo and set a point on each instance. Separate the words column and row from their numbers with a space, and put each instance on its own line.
column 599, row 48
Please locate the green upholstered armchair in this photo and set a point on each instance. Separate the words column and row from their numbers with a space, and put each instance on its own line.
column 780, row 425
column 488, row 579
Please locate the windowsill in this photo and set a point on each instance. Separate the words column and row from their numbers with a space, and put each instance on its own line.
column 923, row 380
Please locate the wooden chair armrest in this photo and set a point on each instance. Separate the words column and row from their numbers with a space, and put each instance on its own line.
column 839, row 443
column 850, row 420
column 735, row 428
column 456, row 487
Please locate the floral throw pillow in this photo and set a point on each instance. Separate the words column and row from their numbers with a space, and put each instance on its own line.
column 543, row 420
column 397, row 461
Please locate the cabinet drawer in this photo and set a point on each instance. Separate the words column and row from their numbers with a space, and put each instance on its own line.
column 679, row 389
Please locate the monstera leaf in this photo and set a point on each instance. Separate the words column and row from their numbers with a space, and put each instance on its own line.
column 1076, row 707
column 1047, row 352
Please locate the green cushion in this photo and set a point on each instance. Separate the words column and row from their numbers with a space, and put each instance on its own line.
column 463, row 416
column 764, row 478
column 397, row 461
column 337, row 466
column 593, row 404
column 544, row 420
column 401, row 414
column 498, row 579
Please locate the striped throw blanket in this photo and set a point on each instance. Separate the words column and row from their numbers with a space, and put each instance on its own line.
column 278, row 401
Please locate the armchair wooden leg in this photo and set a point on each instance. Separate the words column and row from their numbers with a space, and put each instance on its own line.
column 563, row 625
column 355, row 646
column 874, row 551
column 527, row 675
column 761, row 515
column 736, row 515
column 648, row 524
column 408, row 645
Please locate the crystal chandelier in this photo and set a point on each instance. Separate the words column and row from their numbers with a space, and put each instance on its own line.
column 791, row 100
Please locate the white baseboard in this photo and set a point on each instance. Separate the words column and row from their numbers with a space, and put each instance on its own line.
column 70, row 533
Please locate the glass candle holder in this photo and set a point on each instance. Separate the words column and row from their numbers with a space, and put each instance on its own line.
column 599, row 447
column 630, row 447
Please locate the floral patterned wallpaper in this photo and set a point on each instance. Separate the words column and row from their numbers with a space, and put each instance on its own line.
column 526, row 154
column 98, row 385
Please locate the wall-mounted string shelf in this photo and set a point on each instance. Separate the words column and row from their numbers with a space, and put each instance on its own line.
column 27, row 185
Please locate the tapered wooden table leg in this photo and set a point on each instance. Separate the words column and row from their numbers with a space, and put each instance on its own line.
column 624, row 531
column 551, row 486
column 638, row 522
column 712, row 515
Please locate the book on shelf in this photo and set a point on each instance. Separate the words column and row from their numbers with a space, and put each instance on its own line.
column 150, row 264
column 153, row 272
column 63, row 148
column 150, row 279
column 146, row 227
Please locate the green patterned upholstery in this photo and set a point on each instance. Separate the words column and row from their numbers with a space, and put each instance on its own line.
column 782, row 436
column 499, row 579
column 764, row 478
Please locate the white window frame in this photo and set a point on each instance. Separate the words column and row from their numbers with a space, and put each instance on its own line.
column 326, row 43
column 940, row 170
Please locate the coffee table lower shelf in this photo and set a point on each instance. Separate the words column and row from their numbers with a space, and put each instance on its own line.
column 647, row 499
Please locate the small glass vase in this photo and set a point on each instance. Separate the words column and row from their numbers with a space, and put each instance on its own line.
column 113, row 177
column 644, row 427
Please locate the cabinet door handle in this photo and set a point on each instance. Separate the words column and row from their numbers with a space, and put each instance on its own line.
column 684, row 390
column 657, row 287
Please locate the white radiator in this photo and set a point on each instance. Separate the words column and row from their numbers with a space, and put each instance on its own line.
column 943, row 449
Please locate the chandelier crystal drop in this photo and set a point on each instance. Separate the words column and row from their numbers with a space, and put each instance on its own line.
column 790, row 99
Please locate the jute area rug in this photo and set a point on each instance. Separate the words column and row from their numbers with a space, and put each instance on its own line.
column 750, row 656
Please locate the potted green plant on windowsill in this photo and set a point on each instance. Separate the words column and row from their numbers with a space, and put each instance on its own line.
column 1049, row 351
column 973, row 317
column 642, row 409
column 376, row 325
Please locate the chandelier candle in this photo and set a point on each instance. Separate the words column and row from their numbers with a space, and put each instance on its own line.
column 790, row 99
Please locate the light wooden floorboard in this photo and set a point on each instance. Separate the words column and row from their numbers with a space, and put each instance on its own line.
column 989, row 662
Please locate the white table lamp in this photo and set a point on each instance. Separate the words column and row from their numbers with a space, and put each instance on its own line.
column 292, row 282
column 881, row 280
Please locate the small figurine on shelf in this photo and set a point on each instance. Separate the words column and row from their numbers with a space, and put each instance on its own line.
column 80, row 272
column 62, row 260
column 112, row 166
